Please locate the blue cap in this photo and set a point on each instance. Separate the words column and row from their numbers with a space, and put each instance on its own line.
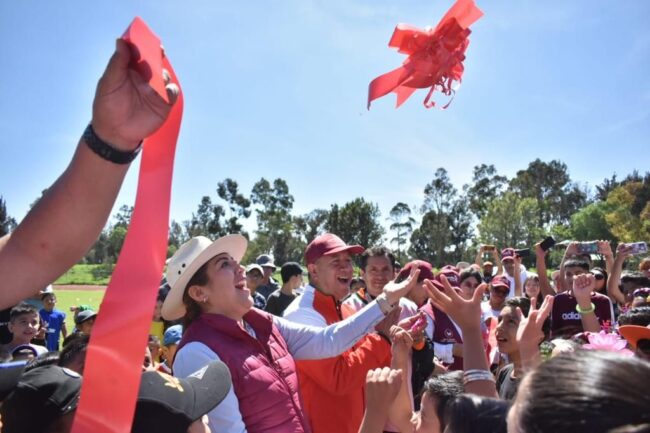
column 173, row 335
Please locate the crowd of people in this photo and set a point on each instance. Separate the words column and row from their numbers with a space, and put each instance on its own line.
column 483, row 347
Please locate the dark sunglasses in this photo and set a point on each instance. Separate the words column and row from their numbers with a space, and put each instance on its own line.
column 599, row 276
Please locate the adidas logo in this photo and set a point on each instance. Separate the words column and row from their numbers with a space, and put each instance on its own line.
column 571, row 316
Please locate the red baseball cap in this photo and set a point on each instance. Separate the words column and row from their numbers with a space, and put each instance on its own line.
column 328, row 244
column 500, row 281
column 452, row 275
column 507, row 254
column 426, row 272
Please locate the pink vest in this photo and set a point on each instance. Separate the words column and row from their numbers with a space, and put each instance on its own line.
column 444, row 331
column 263, row 371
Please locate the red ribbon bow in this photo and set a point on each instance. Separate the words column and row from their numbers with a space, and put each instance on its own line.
column 435, row 56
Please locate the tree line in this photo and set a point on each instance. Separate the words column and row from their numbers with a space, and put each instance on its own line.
column 446, row 227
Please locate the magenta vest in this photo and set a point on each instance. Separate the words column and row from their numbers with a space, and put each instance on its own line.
column 444, row 331
column 263, row 371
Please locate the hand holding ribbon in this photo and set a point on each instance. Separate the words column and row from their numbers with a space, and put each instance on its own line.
column 435, row 56
column 141, row 77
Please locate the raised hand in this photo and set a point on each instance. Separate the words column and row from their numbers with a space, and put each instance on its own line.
column 382, row 385
column 384, row 327
column 126, row 109
column 394, row 291
column 466, row 313
column 529, row 331
column 583, row 285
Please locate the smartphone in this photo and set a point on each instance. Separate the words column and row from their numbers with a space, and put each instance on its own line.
column 587, row 247
column 638, row 247
column 524, row 252
column 547, row 243
column 489, row 248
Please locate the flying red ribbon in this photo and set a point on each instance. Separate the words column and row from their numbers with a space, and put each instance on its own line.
column 435, row 56
column 114, row 357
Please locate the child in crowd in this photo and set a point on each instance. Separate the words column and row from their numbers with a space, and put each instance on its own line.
column 172, row 337
column 53, row 321
column 154, row 349
column 24, row 324
column 157, row 323
column 85, row 321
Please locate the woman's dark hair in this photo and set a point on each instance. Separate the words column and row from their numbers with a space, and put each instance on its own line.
column 471, row 272
column 540, row 298
column 583, row 392
column 473, row 414
column 192, row 308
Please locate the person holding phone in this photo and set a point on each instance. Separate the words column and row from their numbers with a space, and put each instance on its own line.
column 487, row 267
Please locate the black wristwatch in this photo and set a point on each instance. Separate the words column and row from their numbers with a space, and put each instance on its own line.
column 106, row 151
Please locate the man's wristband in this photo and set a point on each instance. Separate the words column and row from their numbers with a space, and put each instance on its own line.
column 106, row 151
column 587, row 310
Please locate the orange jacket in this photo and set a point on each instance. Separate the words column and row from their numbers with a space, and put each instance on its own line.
column 332, row 388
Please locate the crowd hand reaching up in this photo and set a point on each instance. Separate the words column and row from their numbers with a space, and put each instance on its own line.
column 529, row 331
column 382, row 386
column 402, row 341
column 605, row 249
column 383, row 328
column 583, row 286
column 623, row 251
column 394, row 291
column 466, row 313
column 126, row 109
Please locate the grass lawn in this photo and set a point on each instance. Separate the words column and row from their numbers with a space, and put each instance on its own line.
column 67, row 298
column 97, row 275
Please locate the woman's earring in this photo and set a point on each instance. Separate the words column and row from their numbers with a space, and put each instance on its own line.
column 204, row 300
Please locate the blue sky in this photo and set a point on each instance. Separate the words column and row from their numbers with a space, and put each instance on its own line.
column 278, row 89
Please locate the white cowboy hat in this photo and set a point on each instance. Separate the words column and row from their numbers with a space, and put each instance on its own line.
column 188, row 259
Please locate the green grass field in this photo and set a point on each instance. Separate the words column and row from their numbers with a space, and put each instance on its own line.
column 96, row 275
column 67, row 298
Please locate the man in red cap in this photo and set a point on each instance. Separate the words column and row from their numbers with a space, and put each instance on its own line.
column 332, row 389
column 508, row 261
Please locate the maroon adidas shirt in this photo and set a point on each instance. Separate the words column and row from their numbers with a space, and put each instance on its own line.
column 565, row 320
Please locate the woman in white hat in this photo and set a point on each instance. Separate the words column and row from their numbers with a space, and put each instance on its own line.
column 208, row 290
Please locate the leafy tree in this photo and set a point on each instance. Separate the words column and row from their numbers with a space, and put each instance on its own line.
column 434, row 238
column 7, row 223
column 177, row 237
column 123, row 217
column 207, row 220
column 276, row 232
column 115, row 242
column 461, row 228
column 590, row 223
column 424, row 246
column 356, row 222
column 485, row 187
column 511, row 221
column 628, row 216
column 402, row 225
column 550, row 186
column 99, row 252
column 312, row 224
column 238, row 205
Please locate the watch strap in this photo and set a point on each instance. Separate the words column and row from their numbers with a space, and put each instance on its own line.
column 106, row 151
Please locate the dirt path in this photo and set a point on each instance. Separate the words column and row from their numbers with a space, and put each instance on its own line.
column 78, row 287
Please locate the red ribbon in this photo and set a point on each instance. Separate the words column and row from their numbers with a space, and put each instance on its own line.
column 435, row 56
column 116, row 351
